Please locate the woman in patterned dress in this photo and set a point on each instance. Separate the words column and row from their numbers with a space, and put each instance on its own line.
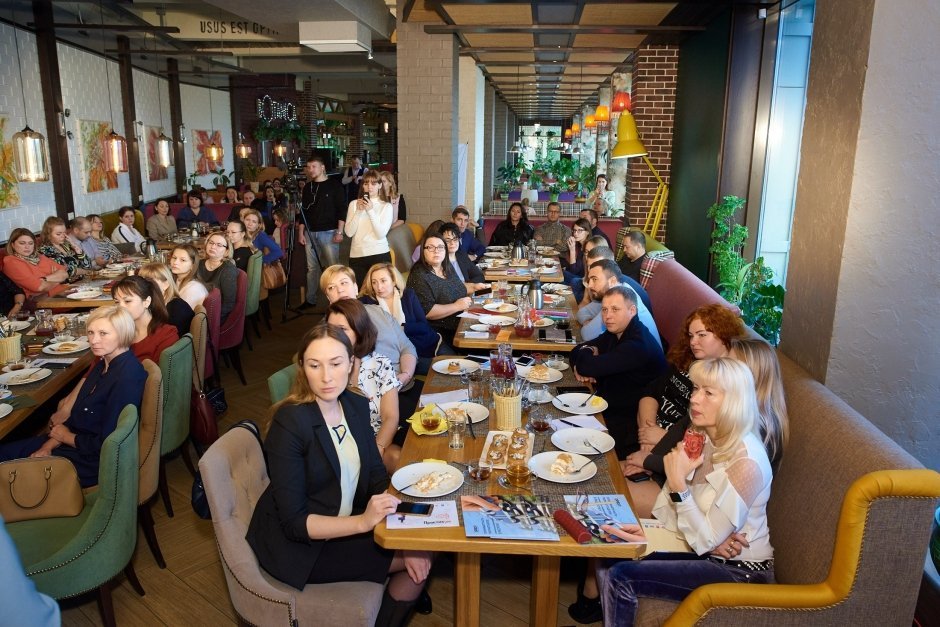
column 56, row 246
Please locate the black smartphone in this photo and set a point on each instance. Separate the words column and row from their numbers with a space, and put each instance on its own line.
column 479, row 358
column 414, row 509
column 525, row 360
column 639, row 477
column 365, row 196
column 568, row 389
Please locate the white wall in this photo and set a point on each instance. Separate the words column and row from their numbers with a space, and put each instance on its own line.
column 85, row 93
column 196, row 116
column 36, row 199
column 885, row 353
column 147, row 90
column 470, row 105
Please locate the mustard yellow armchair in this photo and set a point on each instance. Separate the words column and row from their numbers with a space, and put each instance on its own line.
column 877, row 560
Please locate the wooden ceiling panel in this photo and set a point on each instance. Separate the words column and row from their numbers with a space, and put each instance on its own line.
column 650, row 13
column 598, row 57
column 627, row 42
column 500, row 40
column 508, row 14
column 421, row 12
column 501, row 69
column 525, row 57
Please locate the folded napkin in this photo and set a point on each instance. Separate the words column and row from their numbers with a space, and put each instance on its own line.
column 426, row 411
column 476, row 335
column 588, row 422
column 467, row 314
column 479, row 311
column 454, row 396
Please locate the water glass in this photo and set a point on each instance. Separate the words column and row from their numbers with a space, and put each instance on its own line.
column 475, row 388
column 456, row 426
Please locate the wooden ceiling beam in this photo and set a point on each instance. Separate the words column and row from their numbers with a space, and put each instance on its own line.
column 559, row 29
column 123, row 28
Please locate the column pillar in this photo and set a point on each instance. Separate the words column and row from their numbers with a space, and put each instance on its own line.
column 471, row 107
column 603, row 133
column 617, row 169
column 427, row 112
column 489, row 143
column 500, row 133
column 128, row 105
column 176, row 120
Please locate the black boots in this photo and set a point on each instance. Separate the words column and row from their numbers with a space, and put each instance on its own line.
column 393, row 613
column 423, row 603
column 585, row 610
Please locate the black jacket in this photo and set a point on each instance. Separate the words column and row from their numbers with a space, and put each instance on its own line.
column 506, row 235
column 304, row 471
column 471, row 273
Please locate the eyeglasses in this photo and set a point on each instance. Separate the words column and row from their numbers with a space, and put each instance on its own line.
column 217, row 245
column 435, row 249
column 450, row 240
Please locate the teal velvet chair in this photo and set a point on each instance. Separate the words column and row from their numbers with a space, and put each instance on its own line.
column 279, row 383
column 176, row 364
column 253, row 297
column 66, row 557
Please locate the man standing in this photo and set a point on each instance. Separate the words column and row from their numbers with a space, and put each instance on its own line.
column 81, row 238
column 634, row 252
column 620, row 363
column 468, row 242
column 603, row 275
column 322, row 216
column 591, row 216
column 352, row 178
column 553, row 233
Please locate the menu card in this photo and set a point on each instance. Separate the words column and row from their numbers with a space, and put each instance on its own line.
column 596, row 510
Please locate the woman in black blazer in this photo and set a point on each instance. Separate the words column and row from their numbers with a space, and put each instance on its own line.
column 314, row 522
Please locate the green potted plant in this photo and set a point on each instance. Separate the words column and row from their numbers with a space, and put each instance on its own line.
column 554, row 189
column 250, row 171
column 221, row 180
column 504, row 188
column 587, row 181
column 749, row 285
column 191, row 179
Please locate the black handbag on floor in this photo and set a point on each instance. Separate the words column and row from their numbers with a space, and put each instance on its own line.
column 216, row 397
column 198, row 494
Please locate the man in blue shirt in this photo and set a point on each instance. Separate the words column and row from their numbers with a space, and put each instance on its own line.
column 468, row 243
column 603, row 275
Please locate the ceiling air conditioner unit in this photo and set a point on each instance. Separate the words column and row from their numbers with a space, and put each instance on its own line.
column 336, row 36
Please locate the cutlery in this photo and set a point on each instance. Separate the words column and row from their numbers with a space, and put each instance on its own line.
column 588, row 399
column 574, row 472
column 591, row 444
column 563, row 404
column 469, row 424
column 568, row 422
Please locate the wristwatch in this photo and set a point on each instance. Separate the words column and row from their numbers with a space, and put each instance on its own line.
column 679, row 497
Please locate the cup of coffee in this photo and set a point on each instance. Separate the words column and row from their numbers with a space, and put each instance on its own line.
column 693, row 442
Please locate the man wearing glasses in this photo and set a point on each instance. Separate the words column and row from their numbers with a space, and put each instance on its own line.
column 468, row 272
column 553, row 233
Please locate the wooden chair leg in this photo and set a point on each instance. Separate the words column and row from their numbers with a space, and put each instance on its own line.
column 254, row 323
column 247, row 336
column 105, row 606
column 266, row 308
column 132, row 578
column 165, row 489
column 145, row 518
column 184, row 453
column 236, row 358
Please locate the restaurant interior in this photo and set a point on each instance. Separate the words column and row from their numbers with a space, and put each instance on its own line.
column 806, row 127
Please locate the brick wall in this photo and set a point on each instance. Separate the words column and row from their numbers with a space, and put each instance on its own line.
column 245, row 92
column 654, row 106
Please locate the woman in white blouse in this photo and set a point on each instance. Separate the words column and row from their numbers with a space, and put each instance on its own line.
column 368, row 221
column 721, row 492
column 124, row 232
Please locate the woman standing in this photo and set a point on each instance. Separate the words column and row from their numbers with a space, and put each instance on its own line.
column 372, row 373
column 384, row 286
column 217, row 270
column 314, row 521
column 180, row 312
column 254, row 226
column 390, row 187
column 601, row 199
column 161, row 223
column 143, row 300
column 124, row 232
column 728, row 493
column 242, row 250
column 183, row 260
column 367, row 222
column 34, row 273
column 105, row 248
column 79, row 428
column 515, row 228
column 57, row 247
column 439, row 290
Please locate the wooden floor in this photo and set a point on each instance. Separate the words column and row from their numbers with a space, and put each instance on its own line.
column 192, row 591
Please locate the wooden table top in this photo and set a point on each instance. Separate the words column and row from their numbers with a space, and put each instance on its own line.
column 453, row 539
column 522, row 274
column 523, row 344
column 62, row 301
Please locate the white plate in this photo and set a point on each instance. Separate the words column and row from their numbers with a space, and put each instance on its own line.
column 483, row 328
column 573, row 399
column 544, row 322
column 557, row 365
column 5, row 410
column 553, row 375
column 572, row 440
column 407, row 475
column 15, row 325
column 32, row 375
column 477, row 412
column 466, row 366
column 496, row 254
column 53, row 349
column 503, row 321
column 500, row 307
column 84, row 294
column 541, row 467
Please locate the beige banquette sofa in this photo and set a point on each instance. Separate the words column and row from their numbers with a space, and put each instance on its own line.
column 850, row 511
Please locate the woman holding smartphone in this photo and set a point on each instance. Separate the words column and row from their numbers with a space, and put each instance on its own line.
column 367, row 222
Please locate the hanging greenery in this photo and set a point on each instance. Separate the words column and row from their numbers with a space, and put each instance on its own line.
column 291, row 131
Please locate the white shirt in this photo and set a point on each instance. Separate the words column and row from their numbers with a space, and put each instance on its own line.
column 349, row 463
column 376, row 377
column 368, row 229
column 194, row 293
column 126, row 234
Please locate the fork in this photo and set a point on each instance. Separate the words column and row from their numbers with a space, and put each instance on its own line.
column 591, row 444
column 580, row 468
column 588, row 399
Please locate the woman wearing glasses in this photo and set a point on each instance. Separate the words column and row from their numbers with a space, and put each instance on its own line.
column 217, row 270
column 439, row 290
column 468, row 271
column 515, row 228
column 573, row 264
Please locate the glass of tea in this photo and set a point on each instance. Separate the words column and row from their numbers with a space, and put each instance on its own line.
column 538, row 420
column 431, row 423
column 480, row 469
column 517, row 473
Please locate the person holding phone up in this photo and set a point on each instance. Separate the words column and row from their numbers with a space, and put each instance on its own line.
column 368, row 221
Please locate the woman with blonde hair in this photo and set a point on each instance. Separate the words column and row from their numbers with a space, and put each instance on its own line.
column 180, row 312
column 57, row 247
column 727, row 494
column 183, row 260
column 218, row 270
column 390, row 187
column 254, row 225
column 385, row 286
column 368, row 221
column 774, row 424
column 242, row 249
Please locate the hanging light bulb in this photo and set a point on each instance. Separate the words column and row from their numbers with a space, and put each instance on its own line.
column 602, row 114
column 116, row 152
column 243, row 150
column 575, row 128
column 621, row 102
column 214, row 152
column 567, row 133
column 29, row 147
column 589, row 122
column 164, row 150
column 281, row 149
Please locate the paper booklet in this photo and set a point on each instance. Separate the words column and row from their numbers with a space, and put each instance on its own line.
column 508, row 517
column 594, row 510
column 444, row 514
column 663, row 540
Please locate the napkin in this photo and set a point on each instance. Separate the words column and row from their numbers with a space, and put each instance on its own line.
column 476, row 335
column 552, row 313
column 503, row 336
column 454, row 396
column 467, row 314
column 588, row 422
column 418, row 428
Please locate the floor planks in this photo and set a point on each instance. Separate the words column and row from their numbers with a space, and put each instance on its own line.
column 192, row 590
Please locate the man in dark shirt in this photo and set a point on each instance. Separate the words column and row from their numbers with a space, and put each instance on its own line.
column 620, row 363
column 634, row 252
column 468, row 241
column 323, row 213
column 591, row 216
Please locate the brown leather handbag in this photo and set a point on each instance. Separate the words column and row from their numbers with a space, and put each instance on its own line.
column 39, row 487
column 273, row 275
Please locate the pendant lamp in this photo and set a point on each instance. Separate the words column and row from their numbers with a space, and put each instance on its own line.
column 243, row 150
column 115, row 146
column 29, row 147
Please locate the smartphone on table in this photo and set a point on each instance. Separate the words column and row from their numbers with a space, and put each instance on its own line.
column 414, row 509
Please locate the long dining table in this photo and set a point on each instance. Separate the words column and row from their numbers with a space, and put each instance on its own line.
column 543, row 602
column 560, row 303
